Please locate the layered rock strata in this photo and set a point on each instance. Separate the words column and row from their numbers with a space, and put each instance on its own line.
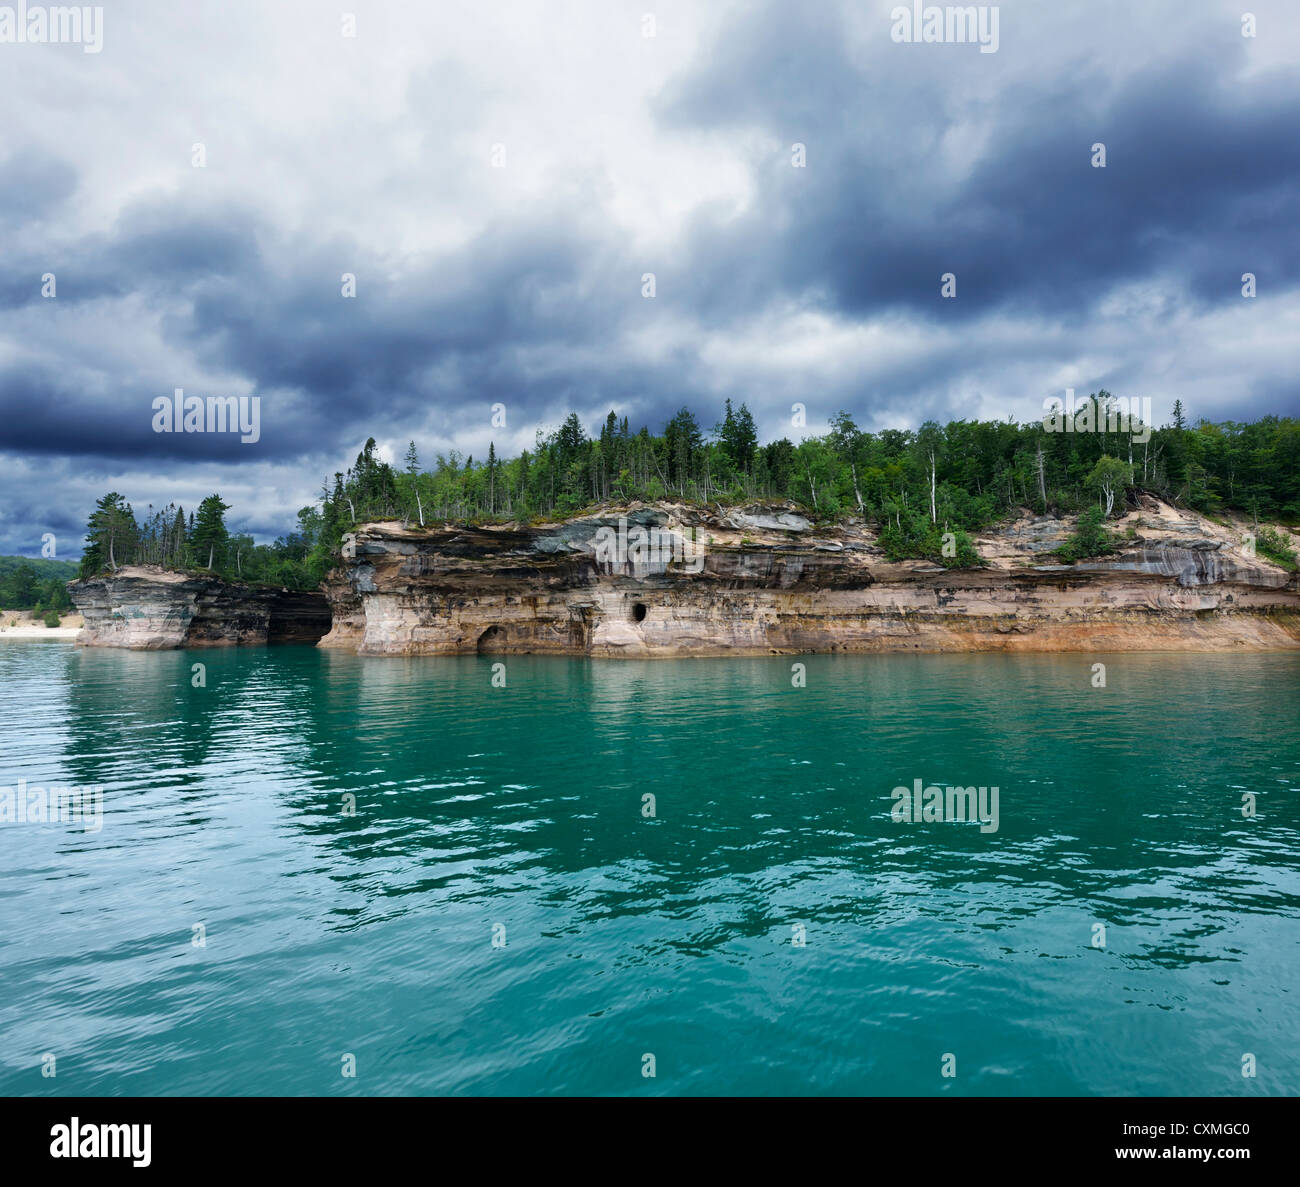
column 149, row 609
column 667, row 580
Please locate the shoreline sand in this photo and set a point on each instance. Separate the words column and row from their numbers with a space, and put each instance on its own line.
column 39, row 632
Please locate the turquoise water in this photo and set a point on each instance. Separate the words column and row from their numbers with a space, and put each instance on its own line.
column 479, row 808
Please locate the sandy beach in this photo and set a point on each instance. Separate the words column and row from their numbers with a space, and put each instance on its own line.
column 33, row 628
column 40, row 632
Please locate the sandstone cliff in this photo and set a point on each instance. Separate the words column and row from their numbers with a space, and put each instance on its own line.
column 146, row 608
column 666, row 580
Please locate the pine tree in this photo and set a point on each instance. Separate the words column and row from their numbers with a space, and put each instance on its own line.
column 739, row 437
column 178, row 538
column 210, row 532
column 682, row 442
column 111, row 535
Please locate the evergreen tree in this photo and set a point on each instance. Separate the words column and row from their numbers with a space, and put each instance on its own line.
column 178, row 540
column 20, row 588
column 210, row 535
column 682, row 442
column 110, row 535
column 739, row 437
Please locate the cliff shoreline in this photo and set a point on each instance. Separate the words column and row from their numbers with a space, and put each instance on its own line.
column 668, row 580
column 144, row 608
column 664, row 580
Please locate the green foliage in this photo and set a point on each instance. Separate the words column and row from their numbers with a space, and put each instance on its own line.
column 209, row 538
column 24, row 584
column 1271, row 543
column 911, row 536
column 111, row 536
column 167, row 539
column 913, row 485
column 1110, row 478
column 1090, row 538
column 738, row 437
column 44, row 568
column 965, row 475
column 51, row 618
column 966, row 556
column 19, row 590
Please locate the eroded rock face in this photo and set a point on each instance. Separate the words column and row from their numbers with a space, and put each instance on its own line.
column 150, row 609
column 664, row 581
column 1194, row 562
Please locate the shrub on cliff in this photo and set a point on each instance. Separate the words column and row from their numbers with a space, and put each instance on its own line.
column 1269, row 542
column 967, row 556
column 1090, row 538
column 911, row 536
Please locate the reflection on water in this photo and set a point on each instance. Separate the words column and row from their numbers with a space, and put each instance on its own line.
column 347, row 833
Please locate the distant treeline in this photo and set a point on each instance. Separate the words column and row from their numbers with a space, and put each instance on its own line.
column 924, row 489
column 35, row 583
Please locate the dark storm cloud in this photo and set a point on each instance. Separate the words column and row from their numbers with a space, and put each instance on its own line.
column 326, row 366
column 1202, row 181
column 921, row 160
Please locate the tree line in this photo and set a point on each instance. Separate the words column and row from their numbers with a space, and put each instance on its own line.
column 116, row 535
column 915, row 486
column 29, row 584
column 925, row 490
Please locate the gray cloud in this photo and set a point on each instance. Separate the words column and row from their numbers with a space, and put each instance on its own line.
column 521, row 285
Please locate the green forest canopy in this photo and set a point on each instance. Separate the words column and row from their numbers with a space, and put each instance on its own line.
column 199, row 542
column 29, row 583
column 913, row 484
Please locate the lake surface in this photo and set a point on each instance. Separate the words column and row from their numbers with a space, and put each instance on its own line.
column 500, row 914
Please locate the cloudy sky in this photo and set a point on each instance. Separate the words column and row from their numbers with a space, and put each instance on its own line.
column 499, row 176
